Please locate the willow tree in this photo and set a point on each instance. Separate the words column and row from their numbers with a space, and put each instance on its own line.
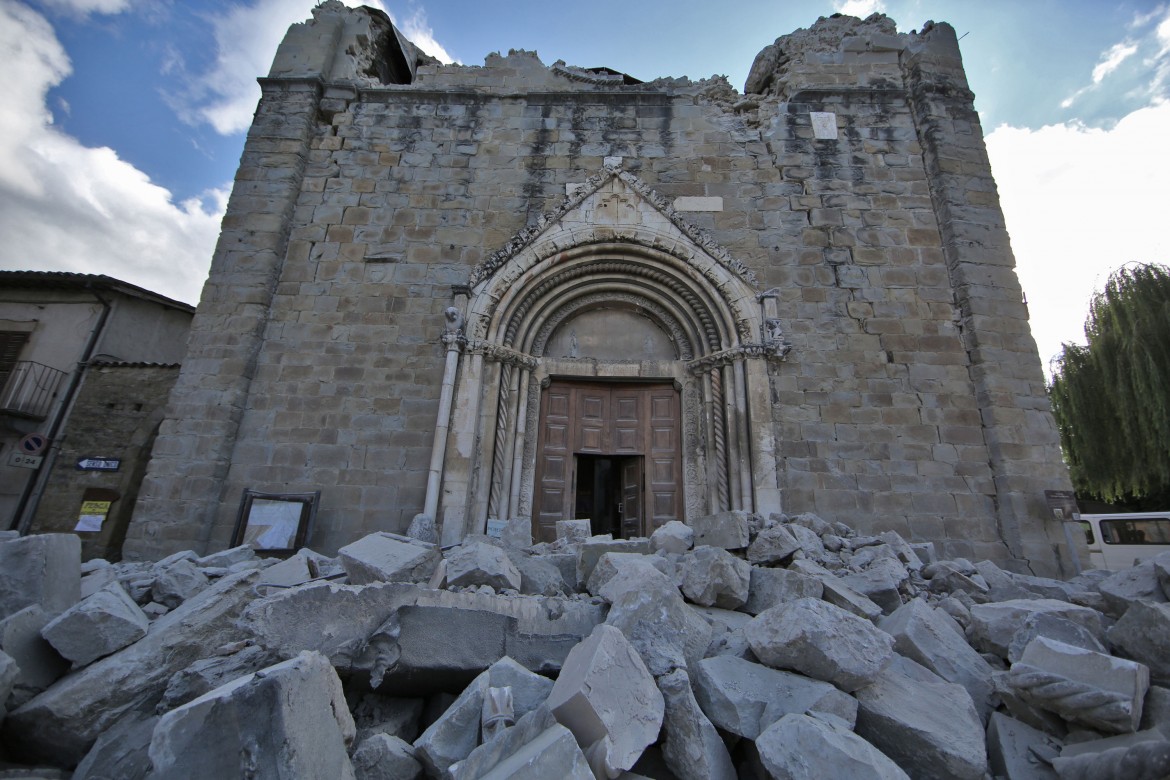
column 1111, row 397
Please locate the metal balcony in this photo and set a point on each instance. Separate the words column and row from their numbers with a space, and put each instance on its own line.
column 29, row 390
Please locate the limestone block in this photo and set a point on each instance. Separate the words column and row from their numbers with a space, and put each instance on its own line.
column 590, row 551
column 802, row 747
column 665, row 631
column 812, row 522
column 672, row 537
column 538, row 577
column 61, row 724
column 44, row 569
column 289, row 720
column 1123, row 589
column 383, row 557
column 950, row 577
column 1156, row 710
column 713, row 577
column 993, row 625
column 1053, row 627
column 1014, row 747
column 9, row 673
column 1116, row 758
column 293, row 570
column 177, row 582
column 880, row 582
column 772, row 545
column 931, row 637
column 40, row 665
column 1004, row 585
column 727, row 530
column 97, row 579
column 691, row 746
column 477, row 563
column 517, row 533
column 837, row 592
column 573, row 531
column 227, row 558
column 102, row 624
column 377, row 714
column 821, row 641
column 618, row 572
column 385, row 757
column 928, row 726
column 809, row 541
column 1162, row 572
column 537, row 747
column 207, row 674
column 1101, row 691
column 745, row 698
column 122, row 751
column 606, row 695
column 456, row 733
column 772, row 587
column 422, row 528
column 902, row 549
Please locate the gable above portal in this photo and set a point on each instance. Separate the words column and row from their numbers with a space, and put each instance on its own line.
column 613, row 206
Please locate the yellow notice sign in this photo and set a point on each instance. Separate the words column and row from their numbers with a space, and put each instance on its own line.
column 93, row 514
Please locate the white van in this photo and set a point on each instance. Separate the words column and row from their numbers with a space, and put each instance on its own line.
column 1118, row 541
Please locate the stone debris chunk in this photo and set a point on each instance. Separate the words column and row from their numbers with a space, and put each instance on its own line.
column 928, row 726
column 40, row 665
column 729, row 530
column 672, row 537
column 9, row 673
column 590, row 551
column 667, row 633
column 573, row 531
column 1101, row 691
column 1143, row 634
column 745, row 698
column 536, row 748
column 93, row 628
column 931, row 637
column 289, row 720
column 479, row 563
column 44, row 569
column 821, row 641
column 383, row 557
column 1053, row 627
column 771, row 587
column 692, row 747
column 606, row 695
column 1131, row 757
column 714, row 577
column 628, row 569
column 774, row 544
column 385, row 757
column 177, row 582
column 122, row 751
column 993, row 625
column 1129, row 586
column 880, row 581
column 802, row 747
column 293, row 570
column 1017, row 751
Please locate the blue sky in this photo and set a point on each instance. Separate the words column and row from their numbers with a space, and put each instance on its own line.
column 124, row 119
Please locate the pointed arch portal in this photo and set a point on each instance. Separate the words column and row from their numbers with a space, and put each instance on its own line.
column 618, row 293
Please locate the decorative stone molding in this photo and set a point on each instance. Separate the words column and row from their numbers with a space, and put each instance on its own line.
column 501, row 354
column 586, row 77
column 775, row 351
column 664, row 319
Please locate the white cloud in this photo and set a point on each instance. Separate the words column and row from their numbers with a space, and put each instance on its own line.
column 1081, row 202
column 246, row 41
column 68, row 207
column 859, row 8
column 1148, row 78
column 88, row 6
column 1112, row 59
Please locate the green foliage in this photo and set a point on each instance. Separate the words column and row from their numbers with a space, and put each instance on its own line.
column 1111, row 398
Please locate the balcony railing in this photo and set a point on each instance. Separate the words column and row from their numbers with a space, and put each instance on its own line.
column 29, row 390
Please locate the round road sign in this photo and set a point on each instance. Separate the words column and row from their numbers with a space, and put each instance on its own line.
column 33, row 444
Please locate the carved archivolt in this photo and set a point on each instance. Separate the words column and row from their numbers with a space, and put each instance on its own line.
column 659, row 314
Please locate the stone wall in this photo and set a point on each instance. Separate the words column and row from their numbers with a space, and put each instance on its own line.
column 117, row 413
column 911, row 398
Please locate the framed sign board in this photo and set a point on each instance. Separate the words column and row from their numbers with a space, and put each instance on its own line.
column 275, row 522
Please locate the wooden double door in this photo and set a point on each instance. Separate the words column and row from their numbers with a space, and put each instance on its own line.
column 610, row 452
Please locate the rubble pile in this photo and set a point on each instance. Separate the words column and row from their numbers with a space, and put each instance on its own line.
column 733, row 647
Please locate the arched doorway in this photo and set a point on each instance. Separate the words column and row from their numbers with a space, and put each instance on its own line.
column 614, row 303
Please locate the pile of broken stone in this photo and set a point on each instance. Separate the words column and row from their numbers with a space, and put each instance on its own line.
column 734, row 646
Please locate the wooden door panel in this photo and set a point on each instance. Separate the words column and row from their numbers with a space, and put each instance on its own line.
column 592, row 419
column 552, row 478
column 631, row 497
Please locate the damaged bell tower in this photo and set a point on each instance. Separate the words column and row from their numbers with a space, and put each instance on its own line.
column 542, row 292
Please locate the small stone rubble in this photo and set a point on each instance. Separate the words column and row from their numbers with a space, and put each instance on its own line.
column 779, row 647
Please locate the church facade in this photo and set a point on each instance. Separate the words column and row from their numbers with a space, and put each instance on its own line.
column 543, row 292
